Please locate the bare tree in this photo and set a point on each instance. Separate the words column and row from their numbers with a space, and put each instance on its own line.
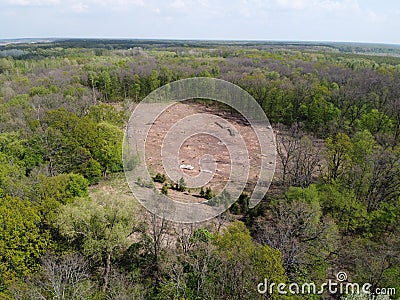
column 298, row 155
column 184, row 233
column 157, row 239
column 123, row 287
column 306, row 159
column 384, row 180
column 286, row 145
column 297, row 229
column 65, row 277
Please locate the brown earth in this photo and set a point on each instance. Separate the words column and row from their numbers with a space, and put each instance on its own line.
column 196, row 146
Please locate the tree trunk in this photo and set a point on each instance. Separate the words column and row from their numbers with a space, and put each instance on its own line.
column 107, row 272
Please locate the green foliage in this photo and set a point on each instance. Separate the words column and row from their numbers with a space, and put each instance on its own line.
column 235, row 246
column 72, row 144
column 241, row 206
column 372, row 261
column 63, row 188
column 202, row 235
column 154, row 81
column 375, row 122
column 39, row 91
column 202, row 193
column 91, row 170
column 181, row 185
column 109, row 148
column 349, row 213
column 21, row 240
column 320, row 113
column 308, row 195
column 161, row 178
column 11, row 176
column 106, row 113
column 339, row 149
column 104, row 226
column 164, row 189
column 208, row 194
column 302, row 233
column 100, row 229
column 52, row 192
column 384, row 219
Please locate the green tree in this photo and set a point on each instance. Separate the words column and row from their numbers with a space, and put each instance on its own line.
column 91, row 170
column 164, row 189
column 339, row 149
column 12, row 174
column 320, row 114
column 21, row 240
column 106, row 113
column 63, row 188
column 375, row 122
column 161, row 178
column 181, row 186
column 100, row 228
column 67, row 141
column 154, row 80
column 349, row 213
column 52, row 192
column 202, row 193
column 208, row 194
column 109, row 148
column 244, row 263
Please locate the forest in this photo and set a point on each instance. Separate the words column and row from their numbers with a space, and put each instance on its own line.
column 70, row 230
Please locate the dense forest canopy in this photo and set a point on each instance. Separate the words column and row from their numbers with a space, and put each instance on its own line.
column 68, row 232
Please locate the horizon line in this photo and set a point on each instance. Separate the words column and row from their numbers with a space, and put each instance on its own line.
column 52, row 39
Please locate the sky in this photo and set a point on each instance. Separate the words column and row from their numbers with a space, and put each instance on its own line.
column 276, row 20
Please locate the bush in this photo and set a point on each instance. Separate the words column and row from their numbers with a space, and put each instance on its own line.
column 241, row 206
column 63, row 188
column 181, row 185
column 208, row 194
column 161, row 178
column 202, row 192
column 164, row 189
column 91, row 170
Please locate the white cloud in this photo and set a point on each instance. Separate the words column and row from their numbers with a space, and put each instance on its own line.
column 32, row 2
column 346, row 5
column 329, row 5
column 292, row 4
column 79, row 7
column 117, row 2
column 344, row 8
column 204, row 3
column 374, row 17
column 179, row 4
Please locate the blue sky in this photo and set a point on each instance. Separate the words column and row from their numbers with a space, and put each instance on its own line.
column 306, row 20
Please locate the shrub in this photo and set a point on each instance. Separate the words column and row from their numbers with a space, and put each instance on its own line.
column 209, row 194
column 161, row 178
column 164, row 189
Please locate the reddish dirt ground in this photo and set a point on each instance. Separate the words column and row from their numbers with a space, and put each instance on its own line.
column 196, row 146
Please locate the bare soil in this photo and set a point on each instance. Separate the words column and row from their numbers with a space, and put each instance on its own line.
column 196, row 146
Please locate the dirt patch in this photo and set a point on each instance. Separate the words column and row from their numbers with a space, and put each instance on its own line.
column 195, row 147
